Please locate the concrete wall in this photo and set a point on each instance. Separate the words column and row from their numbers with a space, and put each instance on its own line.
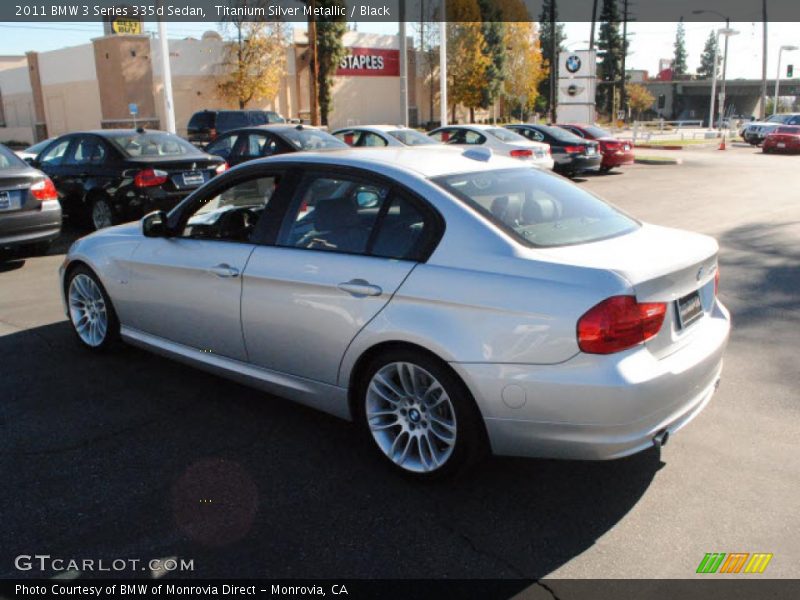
column 17, row 95
column 70, row 89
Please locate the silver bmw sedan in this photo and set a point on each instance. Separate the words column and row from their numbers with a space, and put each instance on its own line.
column 450, row 302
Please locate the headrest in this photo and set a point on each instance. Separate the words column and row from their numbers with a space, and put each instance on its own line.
column 335, row 214
column 541, row 210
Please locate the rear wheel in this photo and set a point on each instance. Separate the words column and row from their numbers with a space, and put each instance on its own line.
column 604, row 170
column 91, row 313
column 420, row 415
column 102, row 213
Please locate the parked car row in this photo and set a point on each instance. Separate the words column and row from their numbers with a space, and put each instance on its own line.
column 757, row 131
column 104, row 177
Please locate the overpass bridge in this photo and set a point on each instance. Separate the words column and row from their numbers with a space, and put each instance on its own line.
column 676, row 100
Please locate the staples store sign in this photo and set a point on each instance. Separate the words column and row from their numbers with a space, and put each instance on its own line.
column 370, row 62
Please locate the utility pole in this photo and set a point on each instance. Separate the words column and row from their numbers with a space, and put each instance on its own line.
column 724, row 72
column 443, row 64
column 553, row 63
column 763, row 111
column 403, row 65
column 313, row 65
column 594, row 19
column 166, row 75
column 623, row 96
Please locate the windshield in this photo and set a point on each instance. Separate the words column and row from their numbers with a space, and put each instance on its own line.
column 134, row 144
column 536, row 208
column 9, row 160
column 789, row 129
column 311, row 139
column 412, row 137
column 504, row 135
column 38, row 147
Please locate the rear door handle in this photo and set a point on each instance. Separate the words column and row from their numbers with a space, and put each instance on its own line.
column 360, row 288
column 224, row 270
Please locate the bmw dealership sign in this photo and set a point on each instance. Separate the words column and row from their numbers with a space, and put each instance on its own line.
column 577, row 83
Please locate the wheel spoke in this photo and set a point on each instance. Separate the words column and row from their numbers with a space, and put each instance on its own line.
column 374, row 387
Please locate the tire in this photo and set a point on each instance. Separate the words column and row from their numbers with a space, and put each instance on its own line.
column 604, row 170
column 101, row 213
column 91, row 312
column 398, row 396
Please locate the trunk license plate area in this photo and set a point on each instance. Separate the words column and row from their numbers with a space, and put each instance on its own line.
column 193, row 178
column 781, row 145
column 9, row 201
column 690, row 308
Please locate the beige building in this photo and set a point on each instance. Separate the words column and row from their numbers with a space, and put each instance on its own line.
column 91, row 86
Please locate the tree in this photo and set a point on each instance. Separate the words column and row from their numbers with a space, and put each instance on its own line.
column 466, row 58
column 547, row 31
column 524, row 67
column 706, row 70
column 330, row 51
column 679, row 61
column 610, row 42
column 639, row 98
column 254, row 60
column 494, row 36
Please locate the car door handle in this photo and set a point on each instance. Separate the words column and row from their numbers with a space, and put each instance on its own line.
column 360, row 288
column 224, row 270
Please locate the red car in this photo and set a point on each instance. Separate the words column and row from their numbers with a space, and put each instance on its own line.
column 615, row 152
column 783, row 139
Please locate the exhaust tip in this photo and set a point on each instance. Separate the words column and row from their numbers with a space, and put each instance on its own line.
column 661, row 438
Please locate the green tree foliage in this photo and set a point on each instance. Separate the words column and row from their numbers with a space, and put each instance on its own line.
column 494, row 36
column 546, row 34
column 611, row 44
column 679, row 61
column 330, row 51
column 706, row 70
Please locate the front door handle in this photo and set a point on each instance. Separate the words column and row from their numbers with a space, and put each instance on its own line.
column 224, row 270
column 360, row 288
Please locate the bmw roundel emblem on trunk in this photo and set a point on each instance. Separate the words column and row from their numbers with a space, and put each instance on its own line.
column 573, row 63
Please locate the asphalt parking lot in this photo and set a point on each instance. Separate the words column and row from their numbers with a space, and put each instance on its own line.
column 129, row 455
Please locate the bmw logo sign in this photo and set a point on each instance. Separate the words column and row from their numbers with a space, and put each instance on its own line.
column 572, row 90
column 573, row 63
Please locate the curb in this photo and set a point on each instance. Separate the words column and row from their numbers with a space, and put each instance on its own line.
column 657, row 147
column 657, row 161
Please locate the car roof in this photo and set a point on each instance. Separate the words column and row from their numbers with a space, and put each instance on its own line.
column 427, row 161
column 471, row 126
column 384, row 128
column 276, row 127
column 107, row 132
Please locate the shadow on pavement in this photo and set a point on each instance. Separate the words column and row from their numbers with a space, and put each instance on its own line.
column 130, row 455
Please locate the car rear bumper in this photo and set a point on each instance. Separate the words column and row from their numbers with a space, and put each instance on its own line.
column 598, row 407
column 18, row 228
column 617, row 159
column 579, row 164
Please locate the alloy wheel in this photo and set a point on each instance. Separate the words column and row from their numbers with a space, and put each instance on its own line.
column 87, row 310
column 102, row 216
column 411, row 417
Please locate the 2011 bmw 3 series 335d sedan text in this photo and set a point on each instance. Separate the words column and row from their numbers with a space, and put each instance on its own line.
column 450, row 302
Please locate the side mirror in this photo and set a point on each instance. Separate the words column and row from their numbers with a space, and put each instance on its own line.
column 154, row 224
column 367, row 199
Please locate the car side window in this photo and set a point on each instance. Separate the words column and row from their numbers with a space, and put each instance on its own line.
column 371, row 139
column 348, row 137
column 794, row 121
column 223, row 146
column 88, row 151
column 445, row 135
column 334, row 214
column 259, row 145
column 232, row 214
column 531, row 134
column 54, row 155
column 405, row 231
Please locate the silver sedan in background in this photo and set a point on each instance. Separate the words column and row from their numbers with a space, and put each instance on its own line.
column 449, row 302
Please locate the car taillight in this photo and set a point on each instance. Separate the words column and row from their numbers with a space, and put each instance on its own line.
column 222, row 168
column 521, row 153
column 618, row 323
column 149, row 178
column 44, row 190
column 716, row 281
column 609, row 145
column 573, row 149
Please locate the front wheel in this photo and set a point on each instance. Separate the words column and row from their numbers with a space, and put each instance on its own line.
column 420, row 415
column 91, row 313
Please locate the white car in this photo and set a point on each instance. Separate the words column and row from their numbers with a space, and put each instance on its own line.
column 367, row 136
column 448, row 302
column 498, row 140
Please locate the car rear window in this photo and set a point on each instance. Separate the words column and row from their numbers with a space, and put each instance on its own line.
column 562, row 135
column 273, row 117
column 538, row 209
column 597, row 132
column 792, row 130
column 504, row 135
column 412, row 137
column 136, row 145
column 9, row 160
column 231, row 119
column 311, row 139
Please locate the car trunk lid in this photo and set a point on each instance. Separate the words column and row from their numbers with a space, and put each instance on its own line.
column 182, row 173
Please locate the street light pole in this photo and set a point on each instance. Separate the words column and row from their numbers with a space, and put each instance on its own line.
column 443, row 65
column 166, row 76
column 778, row 77
column 727, row 31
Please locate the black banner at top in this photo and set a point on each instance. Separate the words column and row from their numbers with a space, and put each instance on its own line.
column 390, row 10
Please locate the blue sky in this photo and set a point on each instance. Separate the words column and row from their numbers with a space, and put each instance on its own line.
column 649, row 42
